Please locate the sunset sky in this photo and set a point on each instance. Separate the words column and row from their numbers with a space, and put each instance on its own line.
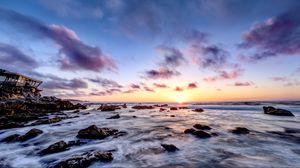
column 155, row 50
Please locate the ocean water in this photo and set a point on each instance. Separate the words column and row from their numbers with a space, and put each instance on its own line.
column 264, row 147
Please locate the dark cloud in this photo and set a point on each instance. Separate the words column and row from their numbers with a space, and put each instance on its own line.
column 105, row 92
column 146, row 88
column 282, row 79
column 106, row 83
column 13, row 57
column 134, row 86
column 160, row 85
column 73, row 53
column 275, row 36
column 243, row 83
column 192, row 85
column 65, row 84
column 172, row 56
column 178, row 89
column 162, row 73
column 225, row 75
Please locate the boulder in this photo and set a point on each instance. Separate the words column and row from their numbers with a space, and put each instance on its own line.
column 141, row 107
column 173, row 108
column 201, row 134
column 84, row 160
column 124, row 106
column 108, row 107
column 198, row 110
column 30, row 134
column 202, row 127
column 274, row 111
column 117, row 116
column 93, row 132
column 172, row 115
column 240, row 130
column 54, row 148
column 169, row 147
column 189, row 131
column 11, row 138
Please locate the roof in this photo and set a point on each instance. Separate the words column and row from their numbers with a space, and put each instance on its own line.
column 8, row 73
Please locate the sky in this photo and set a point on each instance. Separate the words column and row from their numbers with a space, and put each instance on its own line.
column 155, row 50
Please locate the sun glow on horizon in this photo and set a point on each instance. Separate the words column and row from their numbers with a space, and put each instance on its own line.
column 180, row 97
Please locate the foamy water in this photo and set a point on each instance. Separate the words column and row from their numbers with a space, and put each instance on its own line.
column 140, row 147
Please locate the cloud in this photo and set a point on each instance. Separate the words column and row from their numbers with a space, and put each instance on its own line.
column 73, row 53
column 225, row 75
column 106, row 83
column 134, row 86
column 192, row 85
column 146, row 88
column 275, row 36
column 172, row 56
column 68, row 8
column 162, row 73
column 243, row 83
column 203, row 53
column 178, row 89
column 65, row 84
column 13, row 57
column 282, row 79
column 160, row 85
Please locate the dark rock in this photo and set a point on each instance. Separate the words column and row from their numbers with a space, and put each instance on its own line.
column 114, row 117
column 183, row 107
column 124, row 106
column 11, row 138
column 169, row 147
column 30, row 134
column 202, row 127
column 93, row 132
column 279, row 112
column 189, row 131
column 162, row 109
column 84, row 160
column 134, row 116
column 240, row 130
column 198, row 110
column 173, row 108
column 141, row 107
column 201, row 134
column 108, row 107
column 54, row 148
column 172, row 115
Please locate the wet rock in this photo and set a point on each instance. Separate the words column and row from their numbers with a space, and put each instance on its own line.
column 183, row 107
column 141, row 107
column 169, row 147
column 172, row 115
column 11, row 138
column 108, row 107
column 73, row 143
column 124, row 106
column 76, row 111
column 173, row 108
column 162, row 109
column 54, row 148
column 278, row 112
column 134, row 116
column 198, row 110
column 30, row 134
column 93, row 132
column 240, row 130
column 84, row 160
column 202, row 127
column 117, row 116
column 189, row 131
column 201, row 134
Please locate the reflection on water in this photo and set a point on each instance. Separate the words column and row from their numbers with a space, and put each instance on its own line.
column 141, row 146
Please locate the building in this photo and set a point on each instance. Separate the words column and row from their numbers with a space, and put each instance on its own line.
column 10, row 79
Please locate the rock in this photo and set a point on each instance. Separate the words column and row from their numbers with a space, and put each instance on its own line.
column 141, row 107
column 134, row 116
column 30, row 134
column 189, row 131
column 172, row 115
column 202, row 127
column 124, row 106
column 93, row 132
column 162, row 109
column 201, row 134
column 240, row 130
column 169, row 147
column 173, row 108
column 183, row 107
column 108, row 108
column 84, row 160
column 279, row 112
column 54, row 148
column 114, row 117
column 11, row 138
column 198, row 110
column 76, row 111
